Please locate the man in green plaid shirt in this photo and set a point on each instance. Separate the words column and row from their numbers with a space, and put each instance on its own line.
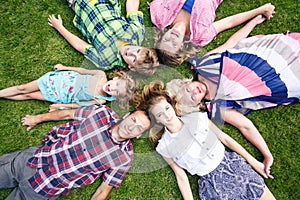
column 113, row 40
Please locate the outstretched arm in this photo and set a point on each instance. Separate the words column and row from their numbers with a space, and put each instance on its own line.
column 79, row 70
column 79, row 44
column 132, row 5
column 247, row 128
column 239, row 35
column 182, row 179
column 235, row 146
column 102, row 192
column 229, row 22
column 32, row 120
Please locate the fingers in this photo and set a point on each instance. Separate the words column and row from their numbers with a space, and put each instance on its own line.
column 26, row 122
column 29, row 128
column 52, row 20
column 268, row 173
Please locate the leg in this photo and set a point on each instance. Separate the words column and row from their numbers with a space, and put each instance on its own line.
column 15, row 173
column 33, row 95
column 267, row 195
column 229, row 22
column 19, row 89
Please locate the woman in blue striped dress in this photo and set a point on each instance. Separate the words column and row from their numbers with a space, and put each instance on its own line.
column 244, row 75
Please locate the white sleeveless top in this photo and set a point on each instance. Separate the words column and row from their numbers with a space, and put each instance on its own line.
column 194, row 148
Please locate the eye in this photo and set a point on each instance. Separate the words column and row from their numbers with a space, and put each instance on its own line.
column 133, row 119
column 138, row 51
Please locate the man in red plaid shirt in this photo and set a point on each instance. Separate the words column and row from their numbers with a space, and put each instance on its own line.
column 96, row 144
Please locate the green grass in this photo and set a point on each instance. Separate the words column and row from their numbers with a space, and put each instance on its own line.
column 29, row 48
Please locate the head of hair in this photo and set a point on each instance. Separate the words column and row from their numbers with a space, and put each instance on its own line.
column 131, row 87
column 168, row 58
column 152, row 94
column 148, row 62
column 173, row 87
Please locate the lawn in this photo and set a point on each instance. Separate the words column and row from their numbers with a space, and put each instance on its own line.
column 29, row 48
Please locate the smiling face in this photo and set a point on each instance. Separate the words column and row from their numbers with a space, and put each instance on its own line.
column 192, row 93
column 131, row 55
column 172, row 40
column 133, row 126
column 163, row 112
column 115, row 87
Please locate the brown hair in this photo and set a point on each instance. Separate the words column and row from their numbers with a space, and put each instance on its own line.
column 148, row 63
column 168, row 58
column 151, row 95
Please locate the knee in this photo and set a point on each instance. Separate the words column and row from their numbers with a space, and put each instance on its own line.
column 21, row 88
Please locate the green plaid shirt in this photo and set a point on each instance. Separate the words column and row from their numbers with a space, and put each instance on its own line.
column 101, row 23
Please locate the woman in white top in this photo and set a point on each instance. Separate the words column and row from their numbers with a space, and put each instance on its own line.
column 193, row 143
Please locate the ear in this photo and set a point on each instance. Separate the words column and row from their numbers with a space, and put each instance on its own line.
column 131, row 68
column 126, row 115
column 137, row 137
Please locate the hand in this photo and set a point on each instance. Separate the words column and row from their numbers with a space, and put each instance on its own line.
column 260, row 168
column 58, row 67
column 268, row 162
column 30, row 121
column 55, row 22
column 258, row 19
column 268, row 10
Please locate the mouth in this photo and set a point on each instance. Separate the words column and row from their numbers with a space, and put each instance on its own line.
column 106, row 88
column 199, row 90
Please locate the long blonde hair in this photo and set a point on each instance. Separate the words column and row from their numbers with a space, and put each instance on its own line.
column 131, row 87
column 173, row 87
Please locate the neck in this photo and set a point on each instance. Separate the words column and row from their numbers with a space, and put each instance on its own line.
column 175, row 126
column 183, row 19
column 115, row 135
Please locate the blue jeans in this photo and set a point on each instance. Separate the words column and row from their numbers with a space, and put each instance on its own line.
column 15, row 173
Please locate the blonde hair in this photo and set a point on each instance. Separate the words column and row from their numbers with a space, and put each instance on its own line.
column 148, row 62
column 173, row 87
column 152, row 94
column 166, row 57
column 131, row 87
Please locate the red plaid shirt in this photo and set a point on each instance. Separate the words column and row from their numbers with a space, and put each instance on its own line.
column 77, row 153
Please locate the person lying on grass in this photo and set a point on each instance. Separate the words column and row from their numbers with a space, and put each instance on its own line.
column 188, row 24
column 113, row 41
column 72, row 87
column 240, row 76
column 96, row 144
column 193, row 143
